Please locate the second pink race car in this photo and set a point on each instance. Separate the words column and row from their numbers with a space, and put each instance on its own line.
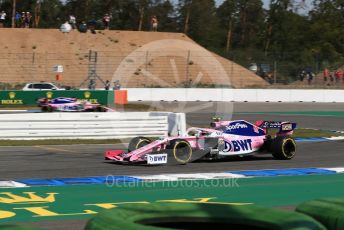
column 67, row 104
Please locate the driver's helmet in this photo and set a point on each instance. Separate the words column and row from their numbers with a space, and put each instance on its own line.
column 216, row 119
column 193, row 132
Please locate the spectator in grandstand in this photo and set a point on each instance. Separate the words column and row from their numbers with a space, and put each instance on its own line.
column 154, row 23
column 83, row 27
column 310, row 77
column 116, row 85
column 92, row 26
column 106, row 21
column 309, row 74
column 107, row 85
column 72, row 21
column 18, row 20
column 270, row 77
column 326, row 75
column 2, row 19
column 22, row 21
column 331, row 78
column 338, row 74
column 66, row 27
column 27, row 20
column 302, row 75
column 92, row 84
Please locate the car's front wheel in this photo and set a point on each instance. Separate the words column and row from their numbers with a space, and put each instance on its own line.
column 180, row 150
column 138, row 142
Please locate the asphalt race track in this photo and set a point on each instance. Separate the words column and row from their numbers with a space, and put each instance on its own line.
column 87, row 160
column 84, row 160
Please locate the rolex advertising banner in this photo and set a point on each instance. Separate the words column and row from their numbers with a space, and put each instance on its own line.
column 18, row 97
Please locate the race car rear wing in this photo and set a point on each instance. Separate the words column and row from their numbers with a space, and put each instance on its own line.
column 283, row 126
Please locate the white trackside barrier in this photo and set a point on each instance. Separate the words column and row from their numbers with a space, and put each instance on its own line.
column 29, row 126
column 235, row 95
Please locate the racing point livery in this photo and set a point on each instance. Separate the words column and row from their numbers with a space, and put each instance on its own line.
column 223, row 139
column 67, row 104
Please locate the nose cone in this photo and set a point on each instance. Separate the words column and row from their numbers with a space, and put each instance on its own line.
column 113, row 153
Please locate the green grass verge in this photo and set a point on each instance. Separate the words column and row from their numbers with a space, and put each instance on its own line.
column 308, row 133
column 299, row 133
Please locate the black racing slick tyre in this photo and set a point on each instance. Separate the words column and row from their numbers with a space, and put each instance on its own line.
column 180, row 151
column 44, row 109
column 100, row 109
column 159, row 216
column 283, row 148
column 138, row 142
column 328, row 211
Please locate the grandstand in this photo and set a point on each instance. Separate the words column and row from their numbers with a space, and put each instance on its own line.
column 137, row 59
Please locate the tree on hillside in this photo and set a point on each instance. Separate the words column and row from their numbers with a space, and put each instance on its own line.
column 278, row 13
column 286, row 37
column 165, row 12
column 245, row 20
column 84, row 10
column 251, row 21
column 124, row 15
column 142, row 8
column 37, row 12
column 13, row 20
column 199, row 17
column 49, row 14
column 227, row 14
column 185, row 8
column 327, row 40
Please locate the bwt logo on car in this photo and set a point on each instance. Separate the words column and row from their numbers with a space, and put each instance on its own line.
column 236, row 126
column 158, row 158
column 237, row 146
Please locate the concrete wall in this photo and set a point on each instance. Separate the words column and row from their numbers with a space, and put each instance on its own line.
column 235, row 95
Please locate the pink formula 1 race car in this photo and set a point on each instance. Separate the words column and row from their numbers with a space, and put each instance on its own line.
column 223, row 139
column 67, row 104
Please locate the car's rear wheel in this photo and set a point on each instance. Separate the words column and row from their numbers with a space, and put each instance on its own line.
column 100, row 109
column 180, row 151
column 283, row 148
column 44, row 109
column 138, row 142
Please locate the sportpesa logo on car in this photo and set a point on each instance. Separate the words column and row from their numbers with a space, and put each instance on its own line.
column 237, row 146
column 236, row 126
